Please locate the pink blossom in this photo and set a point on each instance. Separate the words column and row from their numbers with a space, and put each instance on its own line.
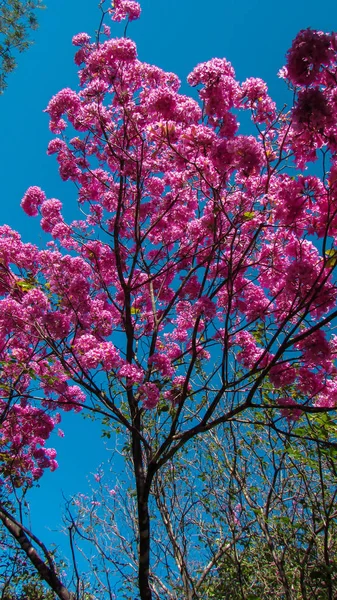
column 111, row 51
column 32, row 199
column 328, row 397
column 56, row 145
column 132, row 374
column 89, row 350
column 312, row 110
column 80, row 39
column 51, row 213
column 255, row 97
column 72, row 398
column 162, row 101
column 36, row 304
column 57, row 324
column 242, row 152
column 162, row 363
column 204, row 306
column 111, row 357
column 65, row 102
column 291, row 414
column 209, row 72
column 149, row 394
column 250, row 353
column 282, row 374
column 315, row 348
column 309, row 51
column 63, row 232
column 125, row 9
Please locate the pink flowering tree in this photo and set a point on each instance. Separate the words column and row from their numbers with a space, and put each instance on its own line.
column 197, row 285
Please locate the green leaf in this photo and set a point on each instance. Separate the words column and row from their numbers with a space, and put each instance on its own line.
column 25, row 285
column 331, row 256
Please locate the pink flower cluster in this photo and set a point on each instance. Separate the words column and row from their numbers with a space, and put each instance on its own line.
column 91, row 352
column 310, row 52
column 32, row 199
column 125, row 9
column 149, row 394
column 22, row 440
column 292, row 413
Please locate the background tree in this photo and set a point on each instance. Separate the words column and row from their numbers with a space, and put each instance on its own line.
column 289, row 550
column 244, row 514
column 17, row 19
column 197, row 288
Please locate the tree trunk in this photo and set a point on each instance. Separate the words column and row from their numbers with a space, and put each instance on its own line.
column 144, row 549
column 143, row 485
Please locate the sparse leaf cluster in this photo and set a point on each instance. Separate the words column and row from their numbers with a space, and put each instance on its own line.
column 17, row 20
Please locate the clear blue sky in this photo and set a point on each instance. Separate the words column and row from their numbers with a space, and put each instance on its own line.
column 177, row 34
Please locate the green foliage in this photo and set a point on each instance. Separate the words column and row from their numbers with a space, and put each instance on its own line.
column 284, row 533
column 17, row 19
column 250, row 572
column 34, row 589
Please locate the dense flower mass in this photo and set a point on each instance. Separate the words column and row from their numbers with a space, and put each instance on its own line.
column 125, row 9
column 311, row 51
column 32, row 199
column 200, row 273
